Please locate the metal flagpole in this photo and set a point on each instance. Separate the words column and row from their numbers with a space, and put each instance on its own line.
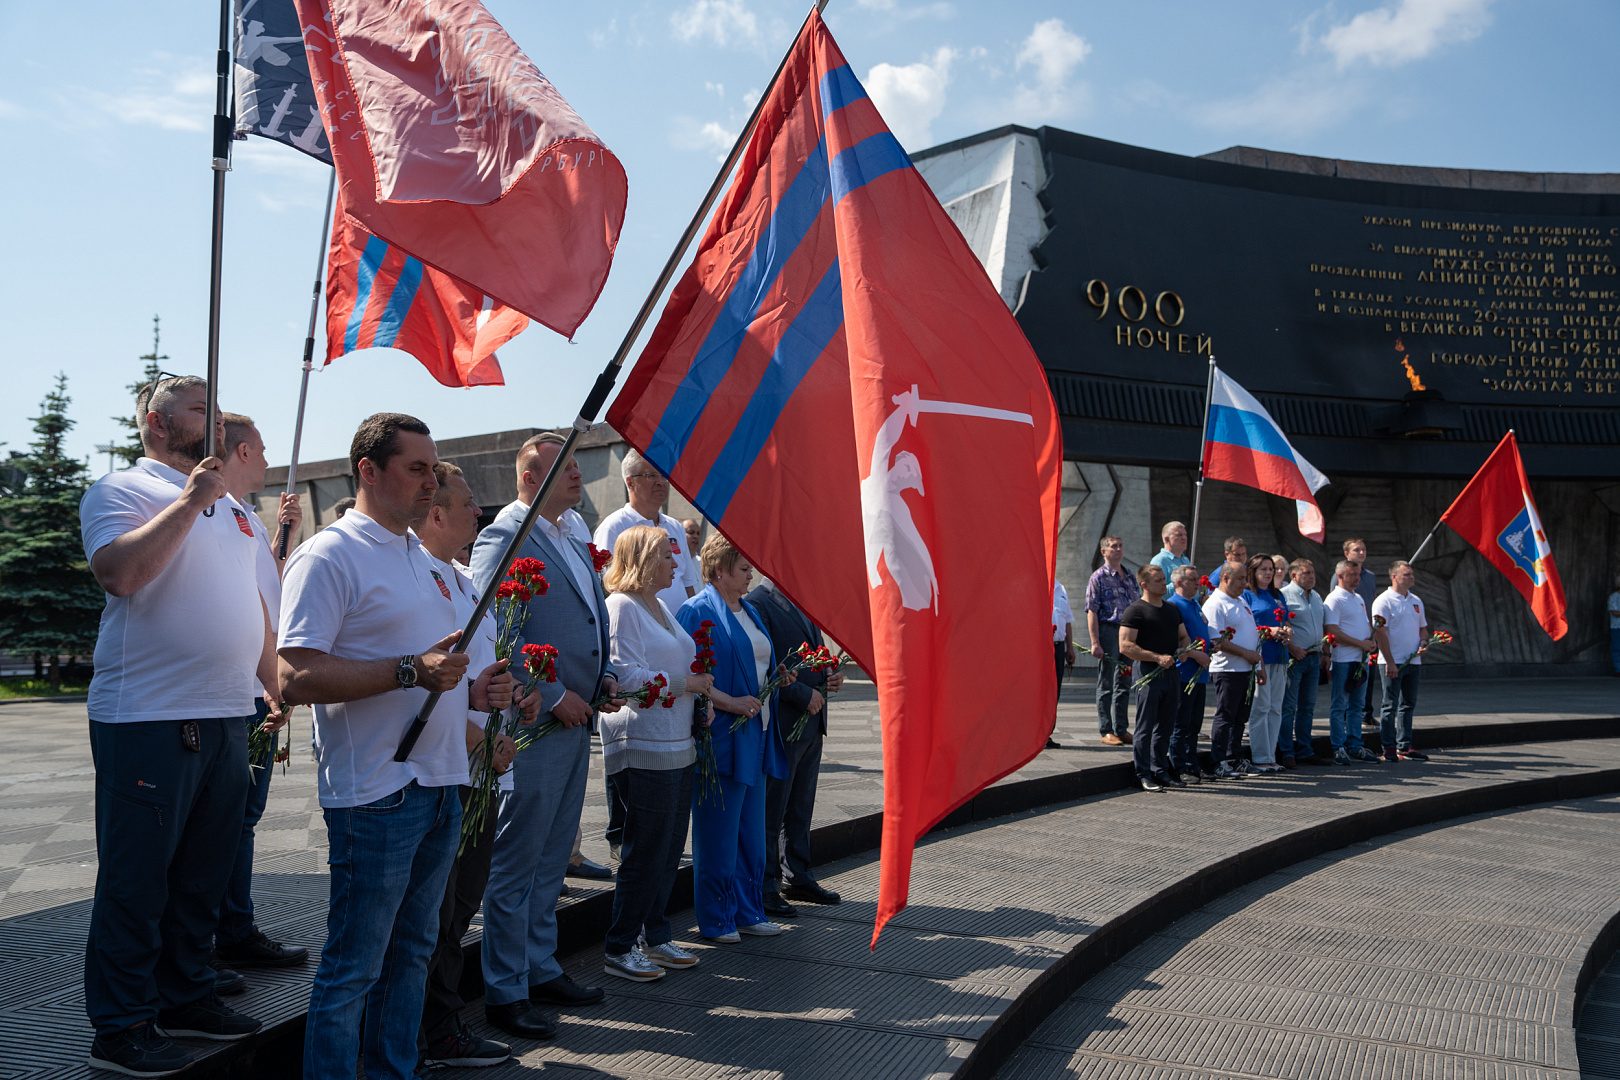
column 1203, row 440
column 285, row 533
column 606, row 380
column 221, row 165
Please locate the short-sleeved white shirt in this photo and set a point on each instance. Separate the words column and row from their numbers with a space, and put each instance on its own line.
column 1062, row 613
column 1222, row 611
column 358, row 591
column 265, row 571
column 481, row 650
column 1348, row 611
column 1403, row 621
column 186, row 645
column 686, row 571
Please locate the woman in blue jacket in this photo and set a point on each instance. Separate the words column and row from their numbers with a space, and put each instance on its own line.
column 728, row 832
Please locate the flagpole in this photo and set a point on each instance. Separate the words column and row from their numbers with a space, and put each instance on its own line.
column 285, row 533
column 221, row 165
column 608, row 378
column 1203, row 437
column 1425, row 543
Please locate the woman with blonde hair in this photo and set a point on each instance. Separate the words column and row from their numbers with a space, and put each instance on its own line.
column 647, row 749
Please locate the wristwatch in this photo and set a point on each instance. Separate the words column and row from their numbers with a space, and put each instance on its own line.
column 405, row 672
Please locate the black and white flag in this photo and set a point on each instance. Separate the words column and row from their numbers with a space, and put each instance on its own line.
column 274, row 96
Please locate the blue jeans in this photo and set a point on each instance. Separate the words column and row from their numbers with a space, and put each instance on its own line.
column 390, row 860
column 1349, row 698
column 1299, row 708
column 236, row 910
column 1113, row 684
column 1400, row 698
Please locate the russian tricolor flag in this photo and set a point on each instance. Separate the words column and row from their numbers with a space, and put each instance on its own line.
column 1244, row 445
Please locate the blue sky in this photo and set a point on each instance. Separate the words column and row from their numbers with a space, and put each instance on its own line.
column 107, row 187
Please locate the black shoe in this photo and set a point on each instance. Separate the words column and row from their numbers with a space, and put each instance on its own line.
column 521, row 1019
column 206, row 1020
column 1207, row 775
column 810, row 892
column 1151, row 784
column 590, row 871
column 775, row 905
column 565, row 890
column 1413, row 755
column 257, row 950
column 1170, row 779
column 462, row 1049
column 139, row 1051
column 564, row 993
column 1053, row 744
column 228, row 983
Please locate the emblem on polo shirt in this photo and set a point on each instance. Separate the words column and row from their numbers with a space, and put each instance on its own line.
column 242, row 523
column 445, row 589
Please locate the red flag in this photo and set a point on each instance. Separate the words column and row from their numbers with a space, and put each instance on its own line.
column 449, row 143
column 377, row 296
column 836, row 384
column 1497, row 514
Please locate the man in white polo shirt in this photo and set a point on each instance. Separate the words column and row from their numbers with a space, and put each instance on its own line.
column 1402, row 641
column 180, row 652
column 1231, row 667
column 1345, row 617
column 365, row 635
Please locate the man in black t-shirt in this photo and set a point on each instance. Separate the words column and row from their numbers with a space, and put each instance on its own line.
column 1151, row 633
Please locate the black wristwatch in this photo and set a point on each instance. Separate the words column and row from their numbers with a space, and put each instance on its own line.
column 405, row 673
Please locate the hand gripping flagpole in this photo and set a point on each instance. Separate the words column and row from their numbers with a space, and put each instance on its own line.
column 221, row 165
column 1203, row 442
column 285, row 532
column 605, row 382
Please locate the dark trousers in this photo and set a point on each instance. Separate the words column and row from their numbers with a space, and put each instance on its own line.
column 1231, row 714
column 655, row 818
column 236, row 910
column 167, row 821
column 789, row 804
column 1155, row 723
column 1113, row 684
column 463, row 894
column 614, row 833
column 1189, row 725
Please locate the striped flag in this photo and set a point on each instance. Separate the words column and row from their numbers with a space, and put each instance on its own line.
column 377, row 297
column 1244, row 445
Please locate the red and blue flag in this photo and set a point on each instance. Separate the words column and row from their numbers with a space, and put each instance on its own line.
column 1244, row 445
column 837, row 385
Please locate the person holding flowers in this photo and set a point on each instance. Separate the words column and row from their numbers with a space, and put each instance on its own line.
column 1347, row 620
column 647, row 748
column 1236, row 641
column 1304, row 664
column 538, row 819
column 1151, row 633
column 1193, row 674
column 1403, row 638
column 1270, row 608
column 728, row 831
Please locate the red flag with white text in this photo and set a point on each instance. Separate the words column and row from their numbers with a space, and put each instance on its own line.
column 837, row 385
column 1496, row 513
column 450, row 144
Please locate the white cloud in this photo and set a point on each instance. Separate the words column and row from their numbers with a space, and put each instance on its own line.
column 720, row 21
column 1292, row 105
column 910, row 97
column 712, row 137
column 1050, row 54
column 158, row 97
column 1405, row 30
column 717, row 89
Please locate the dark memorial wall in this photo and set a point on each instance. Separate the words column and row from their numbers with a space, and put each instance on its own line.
column 1373, row 315
column 1395, row 330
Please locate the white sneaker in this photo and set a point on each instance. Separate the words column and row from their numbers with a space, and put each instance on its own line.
column 730, row 937
column 670, row 955
column 632, row 965
column 760, row 929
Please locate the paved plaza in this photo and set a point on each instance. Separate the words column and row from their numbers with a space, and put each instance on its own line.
column 995, row 906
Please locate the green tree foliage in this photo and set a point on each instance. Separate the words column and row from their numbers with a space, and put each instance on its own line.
column 49, row 602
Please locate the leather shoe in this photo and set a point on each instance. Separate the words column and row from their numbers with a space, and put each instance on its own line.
column 811, row 892
column 228, row 982
column 590, row 871
column 521, row 1019
column 775, row 905
column 257, row 950
column 564, row 993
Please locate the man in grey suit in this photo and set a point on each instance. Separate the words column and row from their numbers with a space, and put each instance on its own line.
column 537, row 820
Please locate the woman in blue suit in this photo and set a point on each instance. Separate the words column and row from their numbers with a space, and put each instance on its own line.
column 728, row 833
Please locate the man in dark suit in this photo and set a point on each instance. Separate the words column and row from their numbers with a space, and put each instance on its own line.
column 538, row 819
column 789, row 802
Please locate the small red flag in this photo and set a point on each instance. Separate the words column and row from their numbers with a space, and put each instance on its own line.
column 377, row 296
column 836, row 384
column 1497, row 514
column 451, row 144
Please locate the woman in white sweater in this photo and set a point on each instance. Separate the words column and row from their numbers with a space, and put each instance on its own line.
column 648, row 750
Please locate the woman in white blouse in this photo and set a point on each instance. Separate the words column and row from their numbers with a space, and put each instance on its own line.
column 648, row 750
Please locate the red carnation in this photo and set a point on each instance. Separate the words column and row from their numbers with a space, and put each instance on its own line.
column 600, row 558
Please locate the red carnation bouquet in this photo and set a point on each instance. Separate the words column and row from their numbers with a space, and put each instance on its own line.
column 651, row 693
column 1436, row 637
column 708, row 780
column 599, row 558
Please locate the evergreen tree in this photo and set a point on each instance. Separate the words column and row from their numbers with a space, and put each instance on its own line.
column 51, row 603
column 131, row 450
